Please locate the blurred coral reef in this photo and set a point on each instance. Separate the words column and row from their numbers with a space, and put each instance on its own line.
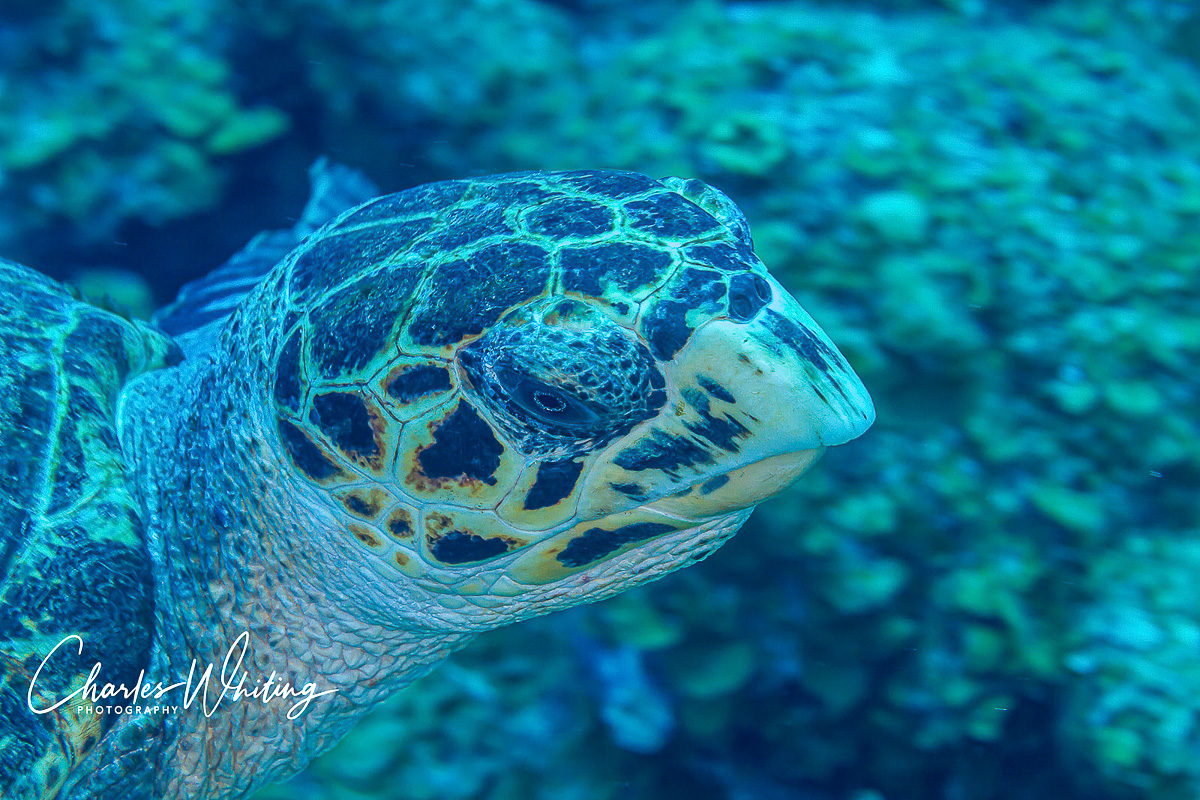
column 993, row 208
column 118, row 111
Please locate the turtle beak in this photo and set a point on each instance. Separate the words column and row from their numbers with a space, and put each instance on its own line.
column 756, row 404
column 781, row 382
column 785, row 379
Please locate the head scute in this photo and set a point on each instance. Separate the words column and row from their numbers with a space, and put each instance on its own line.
column 716, row 203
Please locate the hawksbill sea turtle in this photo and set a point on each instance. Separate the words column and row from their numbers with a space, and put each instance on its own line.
column 362, row 441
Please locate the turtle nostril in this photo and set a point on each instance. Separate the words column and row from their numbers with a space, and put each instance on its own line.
column 748, row 294
column 762, row 288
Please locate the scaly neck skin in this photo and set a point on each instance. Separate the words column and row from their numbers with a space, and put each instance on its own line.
column 240, row 547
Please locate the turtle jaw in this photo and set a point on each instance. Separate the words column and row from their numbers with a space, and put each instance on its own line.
column 652, row 539
column 741, row 487
column 543, row 580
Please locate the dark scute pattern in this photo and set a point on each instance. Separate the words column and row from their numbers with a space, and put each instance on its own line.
column 597, row 543
column 15, row 522
column 417, row 382
column 565, row 217
column 105, row 589
column 399, row 527
column 508, row 190
column 359, row 506
column 101, row 591
column 345, row 420
column 38, row 297
column 626, row 265
column 429, row 198
column 288, row 374
column 86, row 404
column 390, row 208
column 477, row 222
column 696, row 399
column 703, row 288
column 801, row 340
column 663, row 452
column 107, row 436
column 555, row 481
column 669, row 214
column 356, row 324
column 666, row 328
column 715, row 389
column 468, row 296
column 714, row 483
column 463, row 446
column 748, row 295
column 608, row 183
column 721, row 256
column 307, row 457
column 57, row 578
column 24, row 734
column 335, row 257
column 460, row 547
column 746, row 253
column 721, row 431
column 25, row 426
column 715, row 202
column 634, row 491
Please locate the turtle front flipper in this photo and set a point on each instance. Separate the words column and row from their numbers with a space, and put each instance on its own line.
column 75, row 577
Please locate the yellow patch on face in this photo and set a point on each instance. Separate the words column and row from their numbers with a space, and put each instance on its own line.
column 598, row 497
column 739, row 488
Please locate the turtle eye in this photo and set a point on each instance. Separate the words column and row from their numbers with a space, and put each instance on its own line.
column 551, row 403
column 562, row 387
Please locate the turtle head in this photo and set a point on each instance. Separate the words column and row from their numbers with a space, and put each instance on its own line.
column 575, row 383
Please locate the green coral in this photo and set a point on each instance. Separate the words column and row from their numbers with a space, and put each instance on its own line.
column 997, row 223
column 121, row 112
column 1133, row 706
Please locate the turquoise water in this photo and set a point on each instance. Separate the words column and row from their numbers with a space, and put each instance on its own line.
column 994, row 210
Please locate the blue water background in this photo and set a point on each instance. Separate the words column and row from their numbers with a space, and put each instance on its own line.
column 993, row 208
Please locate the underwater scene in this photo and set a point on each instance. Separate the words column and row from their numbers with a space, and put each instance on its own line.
column 990, row 208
